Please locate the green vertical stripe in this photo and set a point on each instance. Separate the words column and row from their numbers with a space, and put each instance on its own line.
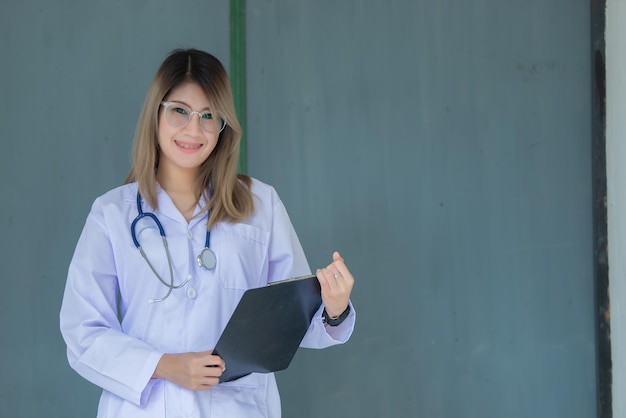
column 238, row 71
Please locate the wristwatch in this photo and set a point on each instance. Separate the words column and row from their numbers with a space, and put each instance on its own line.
column 333, row 322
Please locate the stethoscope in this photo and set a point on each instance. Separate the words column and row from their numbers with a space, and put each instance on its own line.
column 205, row 259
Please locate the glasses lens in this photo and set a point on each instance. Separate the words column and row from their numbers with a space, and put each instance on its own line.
column 177, row 115
column 211, row 124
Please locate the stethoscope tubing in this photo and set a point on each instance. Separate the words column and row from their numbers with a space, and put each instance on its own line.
column 140, row 216
column 205, row 252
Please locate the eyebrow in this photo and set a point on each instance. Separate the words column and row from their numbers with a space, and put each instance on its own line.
column 207, row 109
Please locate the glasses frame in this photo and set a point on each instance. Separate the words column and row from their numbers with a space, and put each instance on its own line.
column 166, row 105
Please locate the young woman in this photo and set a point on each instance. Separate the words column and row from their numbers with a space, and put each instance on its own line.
column 163, row 261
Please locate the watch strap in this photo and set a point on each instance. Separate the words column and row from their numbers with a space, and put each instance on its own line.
column 333, row 322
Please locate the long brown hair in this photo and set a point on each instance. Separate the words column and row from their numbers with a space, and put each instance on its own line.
column 228, row 193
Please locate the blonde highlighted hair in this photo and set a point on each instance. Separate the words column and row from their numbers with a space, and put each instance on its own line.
column 228, row 194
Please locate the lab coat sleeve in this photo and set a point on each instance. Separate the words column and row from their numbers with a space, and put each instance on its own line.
column 96, row 346
column 287, row 260
column 322, row 336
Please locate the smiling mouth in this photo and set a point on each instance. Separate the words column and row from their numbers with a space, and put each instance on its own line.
column 187, row 145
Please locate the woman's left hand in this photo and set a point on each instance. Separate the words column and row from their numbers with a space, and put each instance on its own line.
column 336, row 283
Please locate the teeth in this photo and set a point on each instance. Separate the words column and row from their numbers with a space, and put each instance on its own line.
column 188, row 146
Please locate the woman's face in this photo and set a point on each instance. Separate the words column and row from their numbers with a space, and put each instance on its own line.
column 185, row 147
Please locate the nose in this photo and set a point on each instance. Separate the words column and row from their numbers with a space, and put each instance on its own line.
column 192, row 124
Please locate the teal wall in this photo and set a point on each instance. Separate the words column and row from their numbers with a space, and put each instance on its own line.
column 73, row 77
column 443, row 147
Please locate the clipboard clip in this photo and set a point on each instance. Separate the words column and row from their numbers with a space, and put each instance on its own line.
column 292, row 279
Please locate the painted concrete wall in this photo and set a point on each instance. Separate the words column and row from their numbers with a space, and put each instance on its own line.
column 616, row 192
column 73, row 77
column 444, row 148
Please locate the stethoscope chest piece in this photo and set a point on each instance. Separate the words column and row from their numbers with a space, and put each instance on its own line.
column 207, row 259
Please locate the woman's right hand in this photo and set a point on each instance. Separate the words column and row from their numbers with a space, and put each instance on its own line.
column 194, row 371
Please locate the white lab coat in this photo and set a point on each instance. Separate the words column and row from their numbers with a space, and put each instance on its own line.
column 115, row 338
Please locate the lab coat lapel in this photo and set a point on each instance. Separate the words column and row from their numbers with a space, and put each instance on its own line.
column 167, row 207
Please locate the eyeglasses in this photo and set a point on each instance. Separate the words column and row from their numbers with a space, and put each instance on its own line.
column 178, row 115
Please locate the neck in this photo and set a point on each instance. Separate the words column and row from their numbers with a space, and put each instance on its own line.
column 177, row 180
column 181, row 188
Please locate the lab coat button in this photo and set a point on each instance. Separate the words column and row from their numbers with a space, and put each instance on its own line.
column 189, row 234
column 191, row 293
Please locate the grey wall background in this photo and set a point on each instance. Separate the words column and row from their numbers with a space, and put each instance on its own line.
column 73, row 78
column 442, row 147
column 616, row 194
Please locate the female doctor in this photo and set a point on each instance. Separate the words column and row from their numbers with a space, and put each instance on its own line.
column 163, row 260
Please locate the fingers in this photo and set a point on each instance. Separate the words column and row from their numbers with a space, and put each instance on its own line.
column 207, row 370
column 336, row 283
column 327, row 279
column 335, row 291
column 339, row 269
column 214, row 365
column 213, row 360
column 194, row 371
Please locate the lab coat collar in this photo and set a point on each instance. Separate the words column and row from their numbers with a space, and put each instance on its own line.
column 169, row 209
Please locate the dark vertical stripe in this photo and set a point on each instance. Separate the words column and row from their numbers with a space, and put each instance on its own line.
column 238, row 71
column 601, row 267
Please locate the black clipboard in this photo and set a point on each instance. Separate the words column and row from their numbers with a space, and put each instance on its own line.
column 267, row 327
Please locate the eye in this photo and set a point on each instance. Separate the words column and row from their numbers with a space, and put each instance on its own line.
column 207, row 116
column 179, row 110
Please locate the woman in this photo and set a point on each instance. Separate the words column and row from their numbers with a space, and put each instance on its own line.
column 164, row 259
